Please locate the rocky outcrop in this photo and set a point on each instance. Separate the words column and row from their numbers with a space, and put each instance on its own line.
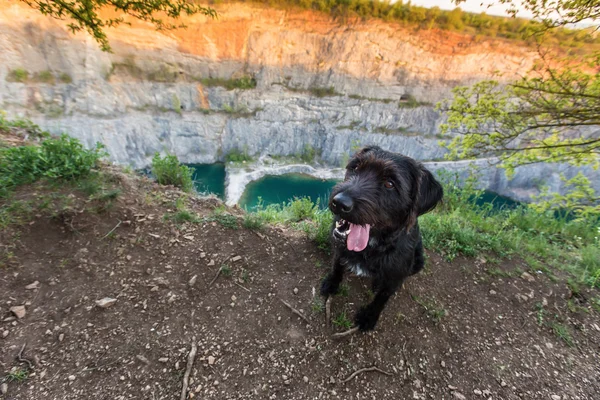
column 321, row 88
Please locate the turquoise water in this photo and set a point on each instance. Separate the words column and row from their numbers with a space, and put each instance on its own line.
column 498, row 202
column 275, row 189
column 209, row 178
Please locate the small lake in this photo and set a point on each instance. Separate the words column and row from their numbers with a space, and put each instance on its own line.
column 277, row 189
column 209, row 178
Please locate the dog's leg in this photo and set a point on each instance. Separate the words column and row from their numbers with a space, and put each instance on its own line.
column 331, row 283
column 367, row 317
column 419, row 260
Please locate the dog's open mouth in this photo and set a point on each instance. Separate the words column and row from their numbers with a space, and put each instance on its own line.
column 356, row 236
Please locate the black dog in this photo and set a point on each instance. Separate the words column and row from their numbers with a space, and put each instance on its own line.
column 375, row 231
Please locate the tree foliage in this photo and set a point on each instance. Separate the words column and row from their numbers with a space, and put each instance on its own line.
column 85, row 15
column 551, row 115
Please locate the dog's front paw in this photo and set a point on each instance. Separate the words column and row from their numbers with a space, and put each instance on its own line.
column 329, row 287
column 366, row 319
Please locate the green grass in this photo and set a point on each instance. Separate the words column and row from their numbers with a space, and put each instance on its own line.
column 562, row 332
column 389, row 131
column 226, row 270
column 253, row 221
column 17, row 375
column 435, row 311
column 17, row 75
column 301, row 214
column 322, row 91
column 317, row 305
column 222, row 217
column 65, row 78
column 344, row 290
column 244, row 83
column 182, row 216
column 411, row 102
column 15, row 212
column 342, row 321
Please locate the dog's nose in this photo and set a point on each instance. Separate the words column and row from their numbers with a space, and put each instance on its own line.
column 342, row 203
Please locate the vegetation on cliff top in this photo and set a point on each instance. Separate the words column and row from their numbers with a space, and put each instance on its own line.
column 576, row 40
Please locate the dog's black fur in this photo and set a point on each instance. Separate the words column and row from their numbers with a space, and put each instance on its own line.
column 388, row 191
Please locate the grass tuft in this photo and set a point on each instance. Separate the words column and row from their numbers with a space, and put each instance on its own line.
column 342, row 321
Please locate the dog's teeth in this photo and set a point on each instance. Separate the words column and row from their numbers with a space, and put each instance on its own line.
column 348, row 231
column 338, row 224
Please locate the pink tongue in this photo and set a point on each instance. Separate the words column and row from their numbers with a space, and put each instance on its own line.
column 358, row 237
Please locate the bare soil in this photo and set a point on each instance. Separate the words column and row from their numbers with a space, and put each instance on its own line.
column 468, row 329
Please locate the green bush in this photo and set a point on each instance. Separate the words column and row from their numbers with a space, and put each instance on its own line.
column 44, row 77
column 245, row 82
column 56, row 158
column 309, row 154
column 322, row 91
column 302, row 208
column 18, row 75
column 168, row 171
column 65, row 78
column 236, row 155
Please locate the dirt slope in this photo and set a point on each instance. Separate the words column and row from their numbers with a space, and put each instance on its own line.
column 467, row 329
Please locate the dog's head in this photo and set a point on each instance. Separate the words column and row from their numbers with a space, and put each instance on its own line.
column 382, row 191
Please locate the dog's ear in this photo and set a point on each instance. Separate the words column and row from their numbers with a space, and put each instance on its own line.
column 427, row 194
column 367, row 149
column 430, row 192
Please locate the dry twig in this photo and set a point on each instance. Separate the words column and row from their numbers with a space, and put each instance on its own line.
column 112, row 230
column 245, row 288
column 369, row 369
column 188, row 370
column 328, row 311
column 345, row 333
column 216, row 276
column 298, row 313
column 21, row 359
column 86, row 369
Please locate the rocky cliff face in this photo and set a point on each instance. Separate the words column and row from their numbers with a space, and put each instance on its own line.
column 319, row 86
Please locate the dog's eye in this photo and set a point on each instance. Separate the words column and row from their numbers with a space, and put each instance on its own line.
column 388, row 184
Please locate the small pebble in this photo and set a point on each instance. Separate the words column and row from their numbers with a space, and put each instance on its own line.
column 71, row 378
column 295, row 290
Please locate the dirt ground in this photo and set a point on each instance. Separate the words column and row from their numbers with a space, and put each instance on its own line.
column 468, row 329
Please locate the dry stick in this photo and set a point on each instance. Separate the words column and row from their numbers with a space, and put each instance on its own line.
column 345, row 333
column 86, row 369
column 112, row 230
column 370, row 369
column 24, row 360
column 328, row 310
column 216, row 276
column 218, row 272
column 298, row 313
column 188, row 370
column 246, row 289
